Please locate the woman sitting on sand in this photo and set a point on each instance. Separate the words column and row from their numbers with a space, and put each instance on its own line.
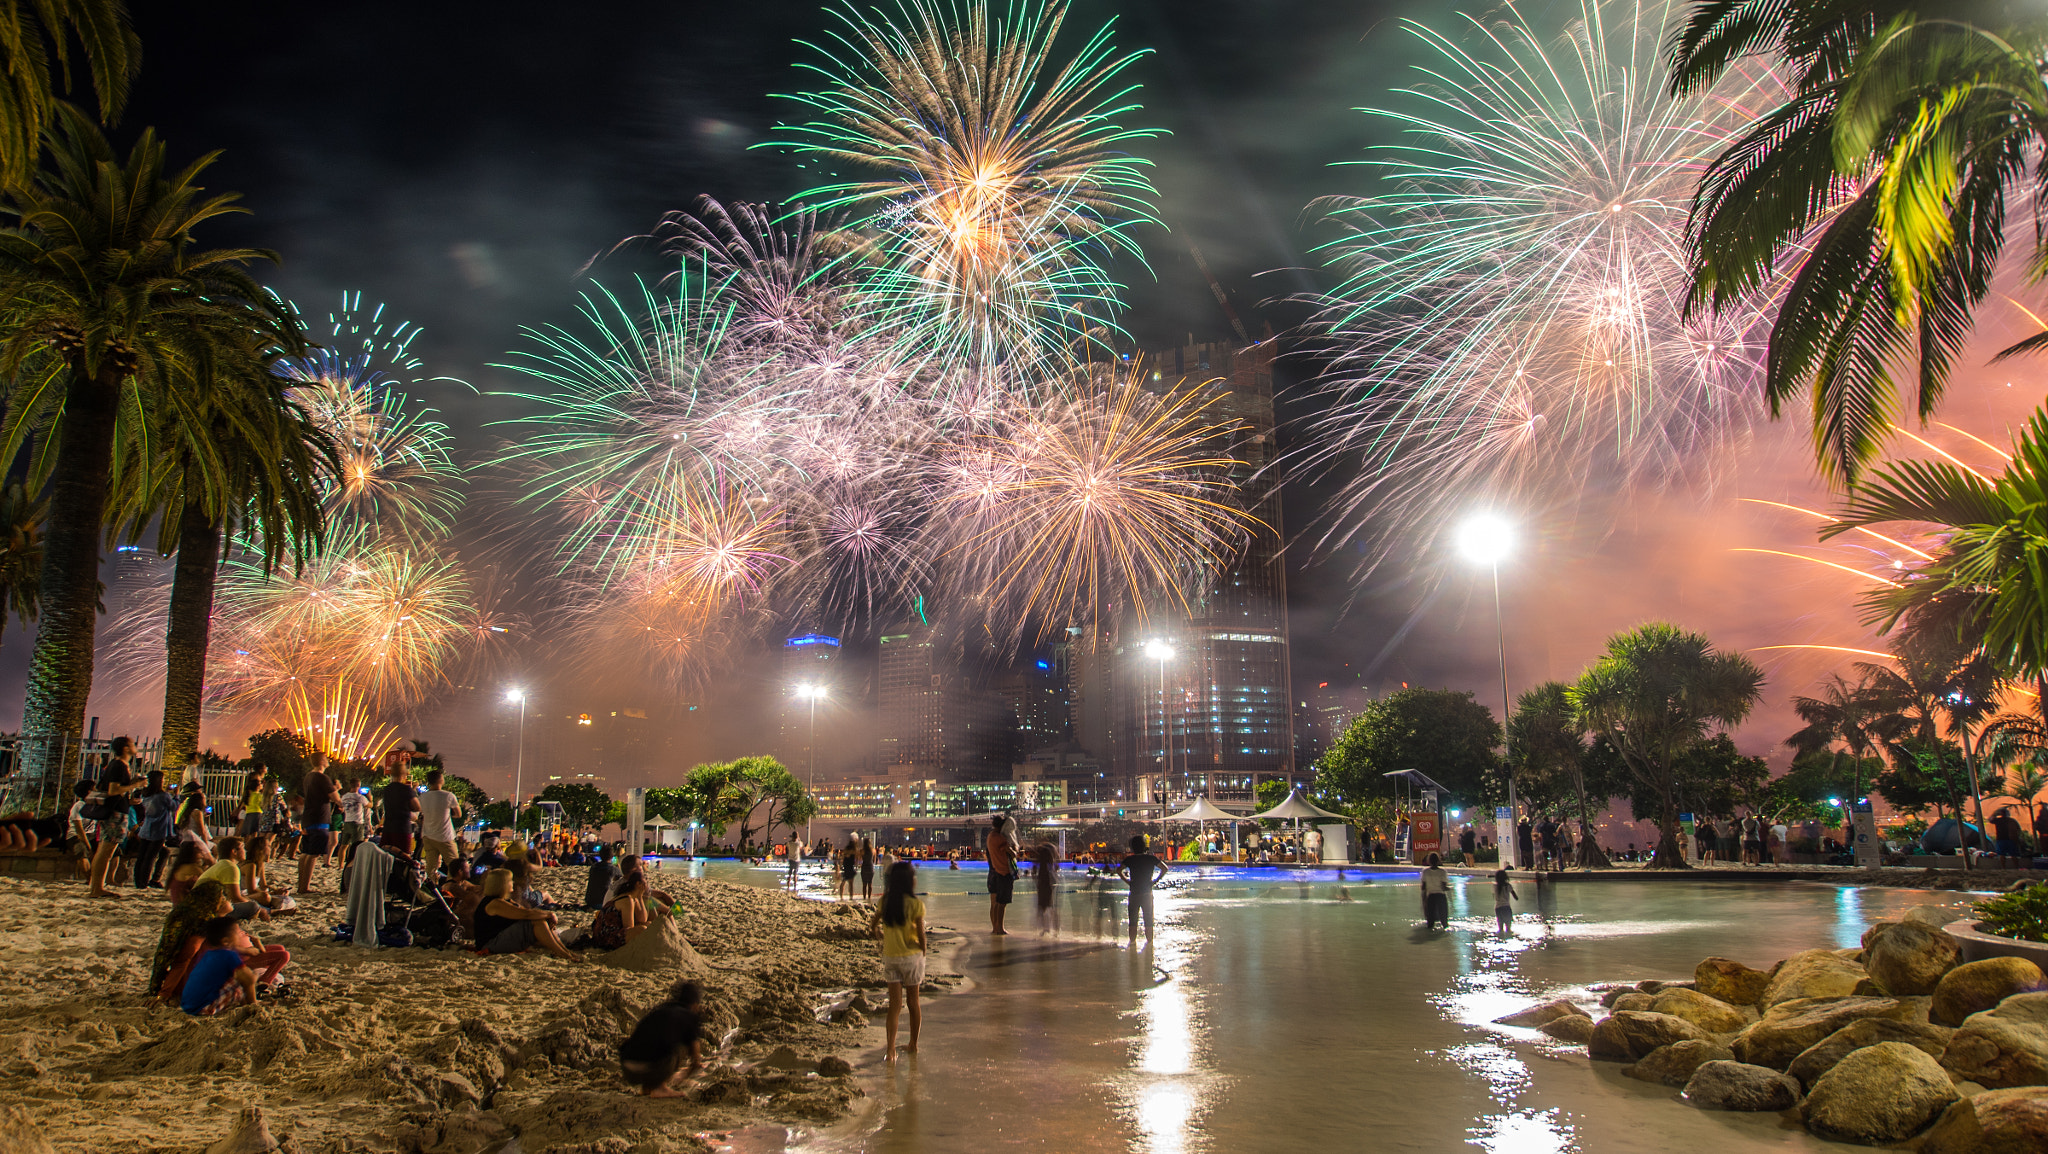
column 179, row 943
column 503, row 926
column 622, row 919
column 190, row 820
column 186, row 866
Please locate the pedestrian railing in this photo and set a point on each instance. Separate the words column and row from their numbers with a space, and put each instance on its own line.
column 37, row 773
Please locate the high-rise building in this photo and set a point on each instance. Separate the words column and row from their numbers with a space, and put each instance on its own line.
column 933, row 718
column 809, row 661
column 1035, row 699
column 1217, row 717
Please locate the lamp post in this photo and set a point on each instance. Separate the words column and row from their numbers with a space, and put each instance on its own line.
column 1486, row 538
column 812, row 692
column 1161, row 652
column 519, row 764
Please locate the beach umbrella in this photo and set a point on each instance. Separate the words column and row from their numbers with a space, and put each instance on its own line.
column 1201, row 812
column 1296, row 807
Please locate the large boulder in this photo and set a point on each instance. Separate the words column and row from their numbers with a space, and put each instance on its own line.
column 1936, row 917
column 1976, row 986
column 1882, row 1093
column 2011, row 1121
column 1673, row 1065
column 1821, row 1057
column 1730, row 981
column 1574, row 1028
column 1629, row 1035
column 1633, row 1000
column 1538, row 1016
column 1736, row 1086
column 2003, row 1046
column 1814, row 974
column 1791, row 1028
column 1909, row 957
column 1710, row 1014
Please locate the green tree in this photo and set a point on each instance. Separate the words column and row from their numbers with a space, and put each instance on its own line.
column 34, row 36
column 1924, row 774
column 1654, row 694
column 1936, row 687
column 1849, row 713
column 720, row 794
column 284, row 753
column 1551, row 756
column 496, row 815
column 471, row 795
column 1936, row 122
column 21, row 553
column 584, row 805
column 106, row 307
column 1710, row 777
column 1445, row 734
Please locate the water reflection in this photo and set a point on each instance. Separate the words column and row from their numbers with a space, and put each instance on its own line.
column 1168, row 1086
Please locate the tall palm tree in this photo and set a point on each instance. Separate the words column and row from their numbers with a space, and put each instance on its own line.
column 106, row 307
column 1937, row 683
column 21, row 551
column 232, row 453
column 1934, row 118
column 36, row 34
column 1843, row 712
column 1654, row 694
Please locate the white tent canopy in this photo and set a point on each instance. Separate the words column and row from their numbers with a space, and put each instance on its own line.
column 1296, row 807
column 1202, row 810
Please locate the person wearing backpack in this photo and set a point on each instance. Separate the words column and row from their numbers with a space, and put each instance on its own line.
column 107, row 807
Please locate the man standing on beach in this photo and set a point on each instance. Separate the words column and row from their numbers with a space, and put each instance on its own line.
column 318, row 817
column 114, row 780
column 1002, row 875
column 440, row 813
column 400, row 803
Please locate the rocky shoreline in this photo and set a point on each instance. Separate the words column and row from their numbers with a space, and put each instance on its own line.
column 1898, row 1042
column 418, row 1051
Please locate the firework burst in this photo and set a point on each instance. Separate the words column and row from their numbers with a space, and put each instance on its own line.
column 1510, row 328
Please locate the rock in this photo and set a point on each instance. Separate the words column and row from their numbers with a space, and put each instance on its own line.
column 19, row 1133
column 251, row 1135
column 1634, row 1001
column 1673, row 1065
column 1937, row 917
column 1792, row 1027
column 1657, row 986
column 1710, row 1014
column 2004, row 1046
column 1737, row 1086
column 1821, row 1057
column 2011, row 1121
column 1574, row 1028
column 834, row 1066
column 1909, row 957
column 1629, row 1035
column 1882, row 1093
column 1730, row 981
column 1538, row 1016
column 1812, row 974
column 1855, row 956
column 1976, row 986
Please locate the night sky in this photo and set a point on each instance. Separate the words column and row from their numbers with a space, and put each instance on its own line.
column 473, row 165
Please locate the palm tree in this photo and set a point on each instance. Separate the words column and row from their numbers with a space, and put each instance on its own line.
column 1654, row 694
column 1939, row 683
column 1549, row 741
column 1845, row 713
column 21, row 551
column 1934, row 123
column 234, row 452
column 34, row 34
column 106, row 308
column 1989, row 578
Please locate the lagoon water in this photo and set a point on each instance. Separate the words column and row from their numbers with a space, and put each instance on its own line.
column 1271, row 1015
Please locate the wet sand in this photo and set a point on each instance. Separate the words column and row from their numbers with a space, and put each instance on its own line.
column 418, row 1050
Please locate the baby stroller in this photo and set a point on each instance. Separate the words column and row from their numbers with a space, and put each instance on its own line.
column 415, row 913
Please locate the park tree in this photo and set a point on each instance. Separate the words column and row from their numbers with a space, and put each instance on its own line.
column 285, row 753
column 1442, row 733
column 471, row 795
column 1553, row 760
column 583, row 804
column 1654, row 694
column 496, row 815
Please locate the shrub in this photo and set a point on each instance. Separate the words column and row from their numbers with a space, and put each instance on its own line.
column 2022, row 914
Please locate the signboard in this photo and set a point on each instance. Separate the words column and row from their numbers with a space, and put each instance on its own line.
column 1688, row 842
column 1425, row 834
column 1869, row 850
column 636, row 817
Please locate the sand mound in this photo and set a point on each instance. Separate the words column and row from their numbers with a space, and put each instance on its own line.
column 660, row 949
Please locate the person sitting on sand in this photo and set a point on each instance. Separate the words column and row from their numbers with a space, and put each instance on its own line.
column 186, row 865
column 899, row 923
column 504, row 926
column 227, row 870
column 190, row 819
column 179, row 944
column 651, row 1057
column 604, row 875
column 660, row 900
column 220, row 978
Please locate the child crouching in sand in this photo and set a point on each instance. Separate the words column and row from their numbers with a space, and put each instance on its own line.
column 652, row 1056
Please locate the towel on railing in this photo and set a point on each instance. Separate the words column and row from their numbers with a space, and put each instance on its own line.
column 366, row 883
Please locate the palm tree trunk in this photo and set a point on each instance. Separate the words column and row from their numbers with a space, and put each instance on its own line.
column 60, row 666
column 185, row 639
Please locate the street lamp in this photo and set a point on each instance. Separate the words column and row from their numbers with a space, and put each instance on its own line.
column 812, row 692
column 1161, row 652
column 1485, row 538
column 519, row 765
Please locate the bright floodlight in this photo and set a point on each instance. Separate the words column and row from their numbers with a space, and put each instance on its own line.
column 1836, row 802
column 1486, row 538
column 1159, row 651
column 811, row 691
column 516, row 695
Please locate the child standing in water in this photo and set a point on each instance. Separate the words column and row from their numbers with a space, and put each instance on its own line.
column 1504, row 896
column 1045, row 870
column 899, row 922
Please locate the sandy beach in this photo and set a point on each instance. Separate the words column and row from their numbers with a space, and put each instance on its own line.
column 428, row 1050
